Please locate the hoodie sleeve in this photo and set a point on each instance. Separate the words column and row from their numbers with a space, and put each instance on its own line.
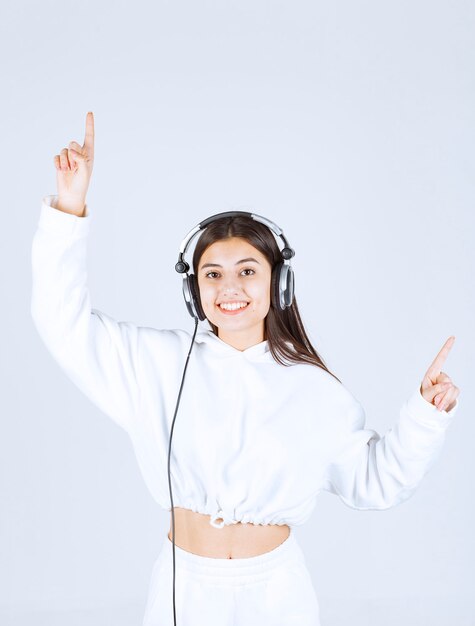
column 97, row 353
column 370, row 471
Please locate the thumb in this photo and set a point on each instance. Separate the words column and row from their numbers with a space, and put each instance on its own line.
column 75, row 157
column 430, row 392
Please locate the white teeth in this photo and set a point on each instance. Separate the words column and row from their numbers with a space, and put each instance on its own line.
column 234, row 306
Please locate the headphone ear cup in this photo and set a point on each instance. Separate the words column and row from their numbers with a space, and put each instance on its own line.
column 282, row 272
column 289, row 285
column 195, row 298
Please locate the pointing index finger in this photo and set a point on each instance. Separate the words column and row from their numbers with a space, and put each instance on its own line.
column 436, row 365
column 89, row 134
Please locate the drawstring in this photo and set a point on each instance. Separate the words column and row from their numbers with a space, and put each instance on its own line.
column 218, row 515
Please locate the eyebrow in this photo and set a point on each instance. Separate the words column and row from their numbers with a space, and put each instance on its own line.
column 237, row 263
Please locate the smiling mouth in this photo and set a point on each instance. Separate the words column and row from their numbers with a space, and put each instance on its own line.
column 232, row 311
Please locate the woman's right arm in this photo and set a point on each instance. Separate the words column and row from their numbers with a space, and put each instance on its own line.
column 99, row 354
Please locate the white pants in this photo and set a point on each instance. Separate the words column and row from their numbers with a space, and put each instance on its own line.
column 271, row 589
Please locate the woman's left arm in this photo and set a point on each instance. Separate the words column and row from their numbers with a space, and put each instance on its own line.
column 368, row 471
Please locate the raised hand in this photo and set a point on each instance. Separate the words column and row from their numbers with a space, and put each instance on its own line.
column 74, row 169
column 436, row 386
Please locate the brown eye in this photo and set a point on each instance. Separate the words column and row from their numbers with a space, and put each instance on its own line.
column 248, row 269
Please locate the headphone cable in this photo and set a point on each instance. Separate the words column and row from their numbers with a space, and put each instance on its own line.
column 169, row 449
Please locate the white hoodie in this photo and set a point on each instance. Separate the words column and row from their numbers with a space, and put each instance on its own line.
column 254, row 441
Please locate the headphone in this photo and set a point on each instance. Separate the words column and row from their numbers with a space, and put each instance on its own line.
column 282, row 295
column 282, row 281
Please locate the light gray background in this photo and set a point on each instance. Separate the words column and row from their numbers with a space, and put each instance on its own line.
column 349, row 124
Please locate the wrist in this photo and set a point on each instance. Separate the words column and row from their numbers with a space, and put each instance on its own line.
column 70, row 205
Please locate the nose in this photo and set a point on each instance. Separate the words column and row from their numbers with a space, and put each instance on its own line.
column 230, row 289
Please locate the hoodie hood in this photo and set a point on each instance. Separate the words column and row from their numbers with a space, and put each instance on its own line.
column 210, row 341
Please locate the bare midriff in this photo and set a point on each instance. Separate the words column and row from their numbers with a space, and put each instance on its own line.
column 194, row 533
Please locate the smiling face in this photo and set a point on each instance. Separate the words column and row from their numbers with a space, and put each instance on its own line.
column 226, row 273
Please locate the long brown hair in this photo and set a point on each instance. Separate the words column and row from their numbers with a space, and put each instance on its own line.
column 280, row 326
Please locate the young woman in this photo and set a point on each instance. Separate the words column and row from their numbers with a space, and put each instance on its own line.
column 263, row 426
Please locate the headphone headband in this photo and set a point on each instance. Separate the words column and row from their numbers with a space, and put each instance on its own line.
column 287, row 252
